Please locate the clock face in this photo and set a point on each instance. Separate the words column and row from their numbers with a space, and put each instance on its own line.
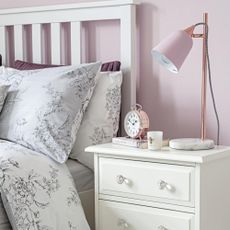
column 132, row 124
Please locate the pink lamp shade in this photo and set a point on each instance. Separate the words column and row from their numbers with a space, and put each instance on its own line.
column 173, row 50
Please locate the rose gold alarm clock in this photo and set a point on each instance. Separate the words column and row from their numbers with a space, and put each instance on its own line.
column 136, row 122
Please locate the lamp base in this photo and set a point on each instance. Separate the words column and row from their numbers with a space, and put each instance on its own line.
column 191, row 144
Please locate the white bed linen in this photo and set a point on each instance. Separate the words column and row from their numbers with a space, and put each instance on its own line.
column 7, row 167
column 83, row 178
column 4, row 222
column 101, row 119
column 44, row 108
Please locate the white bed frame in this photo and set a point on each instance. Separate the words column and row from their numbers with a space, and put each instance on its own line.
column 13, row 45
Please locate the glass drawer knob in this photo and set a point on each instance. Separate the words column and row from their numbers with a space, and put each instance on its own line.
column 164, row 185
column 161, row 227
column 122, row 223
column 121, row 179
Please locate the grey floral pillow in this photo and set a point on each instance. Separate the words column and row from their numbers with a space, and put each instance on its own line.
column 3, row 94
column 44, row 107
column 37, row 192
column 101, row 120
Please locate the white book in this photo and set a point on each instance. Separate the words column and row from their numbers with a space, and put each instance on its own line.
column 142, row 144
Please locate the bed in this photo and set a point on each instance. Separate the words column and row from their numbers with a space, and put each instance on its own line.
column 27, row 32
column 84, row 180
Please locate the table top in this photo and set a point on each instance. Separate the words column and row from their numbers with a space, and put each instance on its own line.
column 166, row 153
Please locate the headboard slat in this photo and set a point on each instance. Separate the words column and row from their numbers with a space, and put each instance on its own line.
column 36, row 43
column 18, row 42
column 3, row 44
column 75, row 30
column 56, row 43
column 56, row 36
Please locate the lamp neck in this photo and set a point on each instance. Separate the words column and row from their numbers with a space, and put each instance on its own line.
column 190, row 30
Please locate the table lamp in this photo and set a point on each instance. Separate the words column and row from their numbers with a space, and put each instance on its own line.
column 171, row 53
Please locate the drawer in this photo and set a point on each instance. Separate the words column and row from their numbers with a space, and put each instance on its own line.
column 120, row 216
column 146, row 180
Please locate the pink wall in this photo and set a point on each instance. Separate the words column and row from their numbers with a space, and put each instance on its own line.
column 172, row 101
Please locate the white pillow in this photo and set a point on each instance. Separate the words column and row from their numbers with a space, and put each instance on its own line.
column 3, row 94
column 44, row 107
column 101, row 120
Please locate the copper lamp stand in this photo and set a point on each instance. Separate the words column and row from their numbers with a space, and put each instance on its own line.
column 196, row 143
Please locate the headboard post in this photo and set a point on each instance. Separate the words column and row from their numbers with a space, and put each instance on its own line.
column 128, row 59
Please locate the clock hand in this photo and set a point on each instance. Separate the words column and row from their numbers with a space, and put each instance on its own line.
column 130, row 121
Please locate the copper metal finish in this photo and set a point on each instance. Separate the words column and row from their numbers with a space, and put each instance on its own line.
column 197, row 35
column 190, row 30
column 204, row 81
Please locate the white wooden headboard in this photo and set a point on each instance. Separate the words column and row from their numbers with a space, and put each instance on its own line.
column 13, row 23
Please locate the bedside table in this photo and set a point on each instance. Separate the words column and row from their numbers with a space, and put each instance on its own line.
column 138, row 189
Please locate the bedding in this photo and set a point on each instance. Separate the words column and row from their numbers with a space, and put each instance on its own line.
column 22, row 65
column 4, row 221
column 44, row 107
column 101, row 119
column 3, row 94
column 37, row 192
column 82, row 176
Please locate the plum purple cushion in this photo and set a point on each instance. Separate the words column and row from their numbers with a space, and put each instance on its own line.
column 22, row 65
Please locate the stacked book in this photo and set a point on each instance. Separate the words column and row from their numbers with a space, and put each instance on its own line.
column 138, row 143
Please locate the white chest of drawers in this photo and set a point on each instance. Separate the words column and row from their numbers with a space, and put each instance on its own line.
column 139, row 189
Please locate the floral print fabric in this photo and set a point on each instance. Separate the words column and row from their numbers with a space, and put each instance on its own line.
column 101, row 120
column 37, row 192
column 44, row 108
column 3, row 94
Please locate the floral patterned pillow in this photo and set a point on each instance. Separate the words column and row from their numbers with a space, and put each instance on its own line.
column 3, row 94
column 101, row 120
column 44, row 107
